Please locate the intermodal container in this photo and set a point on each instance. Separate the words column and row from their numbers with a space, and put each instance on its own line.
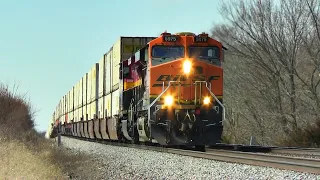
column 123, row 49
column 80, row 95
column 107, row 105
column 115, row 103
column 101, row 109
column 84, row 88
column 75, row 95
column 71, row 100
column 101, row 79
column 76, row 115
column 70, row 116
column 93, row 109
column 93, row 83
column 107, row 82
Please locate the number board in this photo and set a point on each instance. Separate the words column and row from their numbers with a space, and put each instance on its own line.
column 200, row 39
column 170, row 38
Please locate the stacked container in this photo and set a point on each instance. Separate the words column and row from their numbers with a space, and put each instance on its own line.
column 97, row 93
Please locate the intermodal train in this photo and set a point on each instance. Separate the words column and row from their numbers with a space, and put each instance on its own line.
column 165, row 90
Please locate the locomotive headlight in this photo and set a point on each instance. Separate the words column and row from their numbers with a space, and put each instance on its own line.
column 186, row 66
column 206, row 100
column 168, row 100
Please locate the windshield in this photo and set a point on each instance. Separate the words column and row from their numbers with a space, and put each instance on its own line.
column 162, row 54
column 208, row 53
column 167, row 51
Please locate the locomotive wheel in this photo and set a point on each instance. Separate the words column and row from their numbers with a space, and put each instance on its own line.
column 135, row 135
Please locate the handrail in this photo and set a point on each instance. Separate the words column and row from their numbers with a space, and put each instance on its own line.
column 214, row 96
column 163, row 91
column 219, row 102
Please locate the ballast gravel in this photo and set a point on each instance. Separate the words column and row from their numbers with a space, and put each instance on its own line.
column 114, row 162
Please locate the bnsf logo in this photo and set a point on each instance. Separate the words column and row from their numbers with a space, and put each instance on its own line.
column 181, row 78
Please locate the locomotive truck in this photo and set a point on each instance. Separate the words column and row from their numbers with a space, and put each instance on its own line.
column 165, row 90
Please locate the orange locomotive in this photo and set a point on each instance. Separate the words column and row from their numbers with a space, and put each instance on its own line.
column 172, row 91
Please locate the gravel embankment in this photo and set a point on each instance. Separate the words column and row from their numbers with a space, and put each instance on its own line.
column 113, row 162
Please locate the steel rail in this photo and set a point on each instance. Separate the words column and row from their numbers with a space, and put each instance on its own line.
column 297, row 151
column 267, row 160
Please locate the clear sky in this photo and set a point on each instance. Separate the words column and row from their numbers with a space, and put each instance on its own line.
column 47, row 46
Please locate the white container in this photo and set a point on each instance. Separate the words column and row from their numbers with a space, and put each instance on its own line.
column 71, row 100
column 88, row 87
column 60, row 108
column 108, row 72
column 93, row 83
column 115, row 103
column 76, row 115
column 93, row 110
column 101, row 79
column 84, row 88
column 84, row 109
column 63, row 105
column 75, row 95
column 101, row 109
column 67, row 104
column 130, row 45
column 88, row 111
column 123, row 49
column 80, row 113
column 80, row 95
column 107, row 105
column 116, row 56
column 66, row 118
column 71, row 118
column 61, row 120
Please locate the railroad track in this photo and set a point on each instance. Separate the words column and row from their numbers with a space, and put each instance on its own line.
column 267, row 160
column 259, row 159
column 297, row 151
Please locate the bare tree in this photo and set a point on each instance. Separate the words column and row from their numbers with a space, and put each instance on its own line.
column 274, row 46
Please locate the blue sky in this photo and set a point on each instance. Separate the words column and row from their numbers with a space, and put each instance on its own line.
column 47, row 46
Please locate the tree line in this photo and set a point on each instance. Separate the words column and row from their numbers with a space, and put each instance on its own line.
column 272, row 71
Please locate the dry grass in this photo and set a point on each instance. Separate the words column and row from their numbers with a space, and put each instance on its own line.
column 24, row 153
column 19, row 162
